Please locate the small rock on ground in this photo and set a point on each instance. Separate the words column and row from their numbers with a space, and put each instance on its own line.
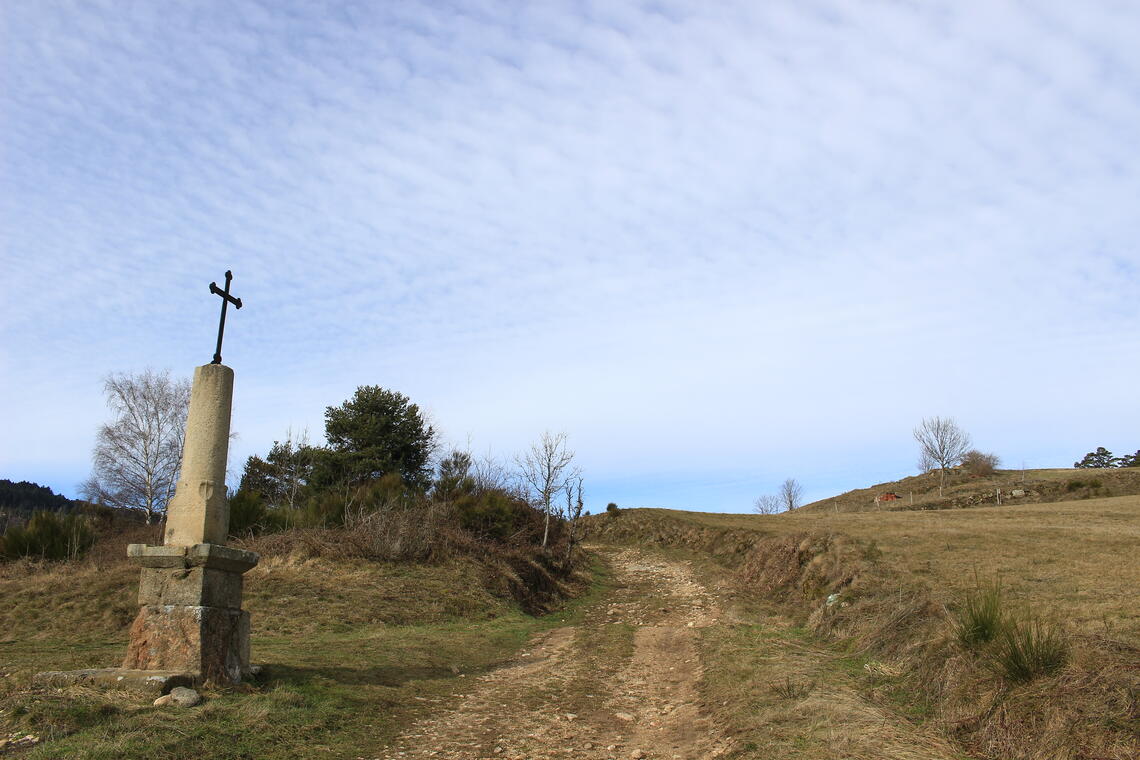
column 180, row 696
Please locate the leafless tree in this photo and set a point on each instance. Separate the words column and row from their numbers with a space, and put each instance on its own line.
column 941, row 442
column 137, row 455
column 490, row 473
column 768, row 504
column 297, row 466
column 791, row 493
column 925, row 463
column 573, row 512
column 544, row 468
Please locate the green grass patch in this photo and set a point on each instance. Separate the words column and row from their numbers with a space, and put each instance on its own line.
column 341, row 682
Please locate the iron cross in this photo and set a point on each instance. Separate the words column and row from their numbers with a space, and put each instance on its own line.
column 227, row 299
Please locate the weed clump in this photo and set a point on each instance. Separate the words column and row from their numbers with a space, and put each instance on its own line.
column 792, row 689
column 872, row 552
column 1025, row 645
column 981, row 617
column 1030, row 646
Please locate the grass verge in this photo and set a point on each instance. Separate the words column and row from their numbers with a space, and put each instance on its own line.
column 352, row 652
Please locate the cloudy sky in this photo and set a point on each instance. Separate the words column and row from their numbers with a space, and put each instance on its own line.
column 718, row 244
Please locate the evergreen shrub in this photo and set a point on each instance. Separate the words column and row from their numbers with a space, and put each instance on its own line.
column 48, row 535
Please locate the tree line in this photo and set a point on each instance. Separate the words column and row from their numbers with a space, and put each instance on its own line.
column 1103, row 458
column 380, row 462
column 32, row 497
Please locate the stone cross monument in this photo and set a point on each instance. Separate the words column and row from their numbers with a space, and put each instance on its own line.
column 190, row 590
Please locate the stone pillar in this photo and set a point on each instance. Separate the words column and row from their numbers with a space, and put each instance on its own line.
column 190, row 588
column 199, row 513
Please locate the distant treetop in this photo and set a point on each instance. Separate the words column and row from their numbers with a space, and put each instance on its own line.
column 28, row 497
column 1103, row 458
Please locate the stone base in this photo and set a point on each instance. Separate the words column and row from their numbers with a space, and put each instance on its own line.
column 210, row 641
column 191, row 618
column 156, row 682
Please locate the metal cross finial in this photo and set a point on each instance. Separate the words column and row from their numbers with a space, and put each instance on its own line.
column 227, row 299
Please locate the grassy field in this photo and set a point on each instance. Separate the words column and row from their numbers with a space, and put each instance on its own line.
column 1075, row 558
column 352, row 651
column 844, row 617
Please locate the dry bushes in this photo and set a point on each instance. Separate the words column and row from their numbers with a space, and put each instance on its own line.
column 427, row 531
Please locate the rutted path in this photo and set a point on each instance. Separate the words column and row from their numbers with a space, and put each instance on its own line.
column 621, row 685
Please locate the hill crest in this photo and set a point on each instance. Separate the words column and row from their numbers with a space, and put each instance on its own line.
column 963, row 489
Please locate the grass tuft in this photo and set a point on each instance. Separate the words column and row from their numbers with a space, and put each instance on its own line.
column 1030, row 646
column 792, row 689
column 981, row 618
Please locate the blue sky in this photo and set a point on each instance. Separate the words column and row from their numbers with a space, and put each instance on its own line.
column 717, row 244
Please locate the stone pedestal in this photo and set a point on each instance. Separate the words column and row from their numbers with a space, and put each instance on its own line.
column 190, row 618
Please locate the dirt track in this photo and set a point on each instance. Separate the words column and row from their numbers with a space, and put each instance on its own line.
column 621, row 685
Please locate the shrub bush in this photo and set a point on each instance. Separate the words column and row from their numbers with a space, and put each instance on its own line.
column 501, row 515
column 493, row 513
column 612, row 508
column 282, row 519
column 979, row 463
column 1078, row 484
column 247, row 513
column 48, row 535
column 397, row 533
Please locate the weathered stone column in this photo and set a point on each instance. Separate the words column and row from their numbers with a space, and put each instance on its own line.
column 190, row 589
column 199, row 513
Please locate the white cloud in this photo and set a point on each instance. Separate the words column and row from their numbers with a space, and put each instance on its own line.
column 705, row 240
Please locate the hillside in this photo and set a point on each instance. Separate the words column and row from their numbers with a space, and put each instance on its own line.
column 965, row 490
column 19, row 500
column 884, row 591
column 808, row 635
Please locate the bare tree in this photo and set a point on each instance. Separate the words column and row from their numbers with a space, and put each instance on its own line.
column 489, row 473
column 544, row 470
column 768, row 504
column 137, row 456
column 941, row 442
column 791, row 493
column 573, row 512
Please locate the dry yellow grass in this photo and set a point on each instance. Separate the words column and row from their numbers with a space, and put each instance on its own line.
column 1077, row 558
column 876, row 593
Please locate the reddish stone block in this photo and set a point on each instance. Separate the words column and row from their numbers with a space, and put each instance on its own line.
column 212, row 642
